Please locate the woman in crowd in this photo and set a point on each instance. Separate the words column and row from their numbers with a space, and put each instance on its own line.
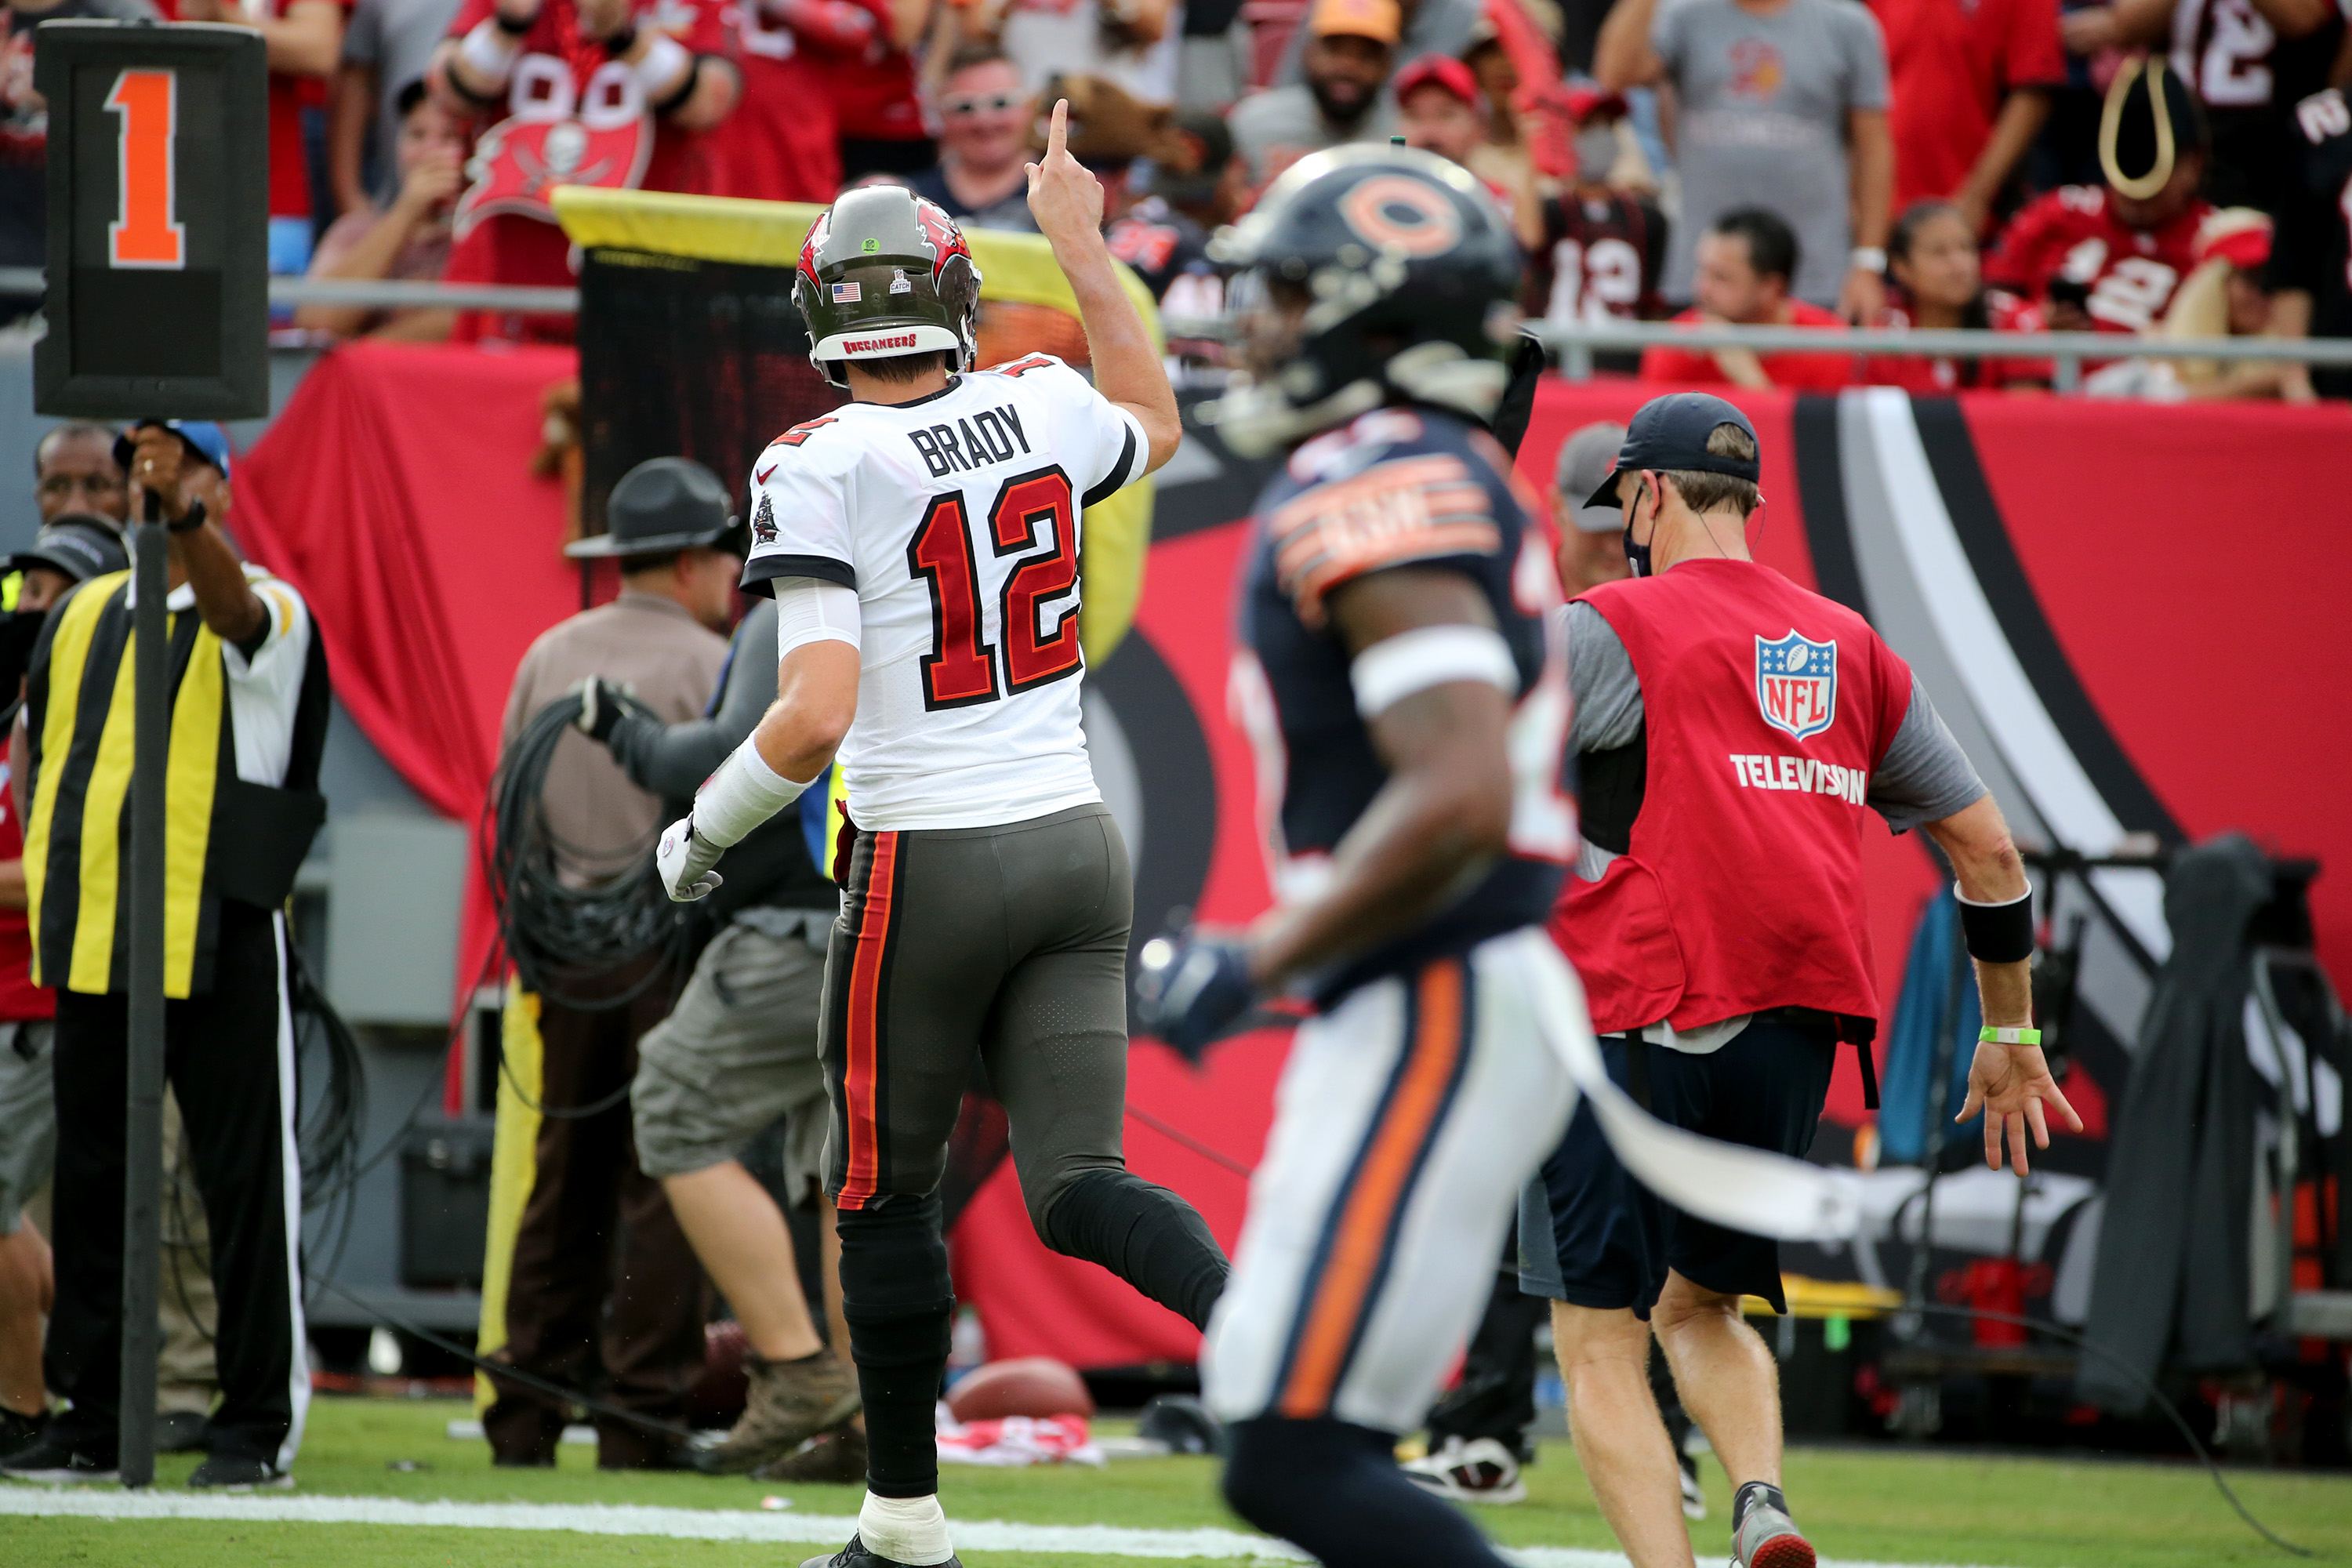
column 1935, row 280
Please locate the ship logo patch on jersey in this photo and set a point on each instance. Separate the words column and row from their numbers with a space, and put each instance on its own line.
column 1402, row 214
column 1408, row 509
column 1796, row 684
column 764, row 523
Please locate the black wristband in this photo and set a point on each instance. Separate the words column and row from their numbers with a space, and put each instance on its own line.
column 1998, row 933
column 510, row 27
column 622, row 39
column 190, row 520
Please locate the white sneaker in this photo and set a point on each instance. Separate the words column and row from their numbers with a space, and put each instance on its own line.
column 1694, row 1499
column 1481, row 1470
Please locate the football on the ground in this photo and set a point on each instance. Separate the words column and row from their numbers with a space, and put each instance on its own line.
column 1025, row 1386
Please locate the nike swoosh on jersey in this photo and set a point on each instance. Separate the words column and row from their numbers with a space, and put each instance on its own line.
column 761, row 477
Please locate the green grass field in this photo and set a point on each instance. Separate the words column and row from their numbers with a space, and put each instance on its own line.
column 1886, row 1505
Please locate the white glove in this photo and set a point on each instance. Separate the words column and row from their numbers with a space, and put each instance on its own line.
column 684, row 860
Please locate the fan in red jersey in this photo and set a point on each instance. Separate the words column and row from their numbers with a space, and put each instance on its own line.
column 1937, row 281
column 2107, row 258
column 782, row 144
column 586, row 92
column 1740, row 278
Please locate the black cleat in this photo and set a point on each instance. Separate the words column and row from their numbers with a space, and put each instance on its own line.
column 854, row 1555
column 52, row 1459
column 229, row 1473
column 182, row 1432
column 18, row 1433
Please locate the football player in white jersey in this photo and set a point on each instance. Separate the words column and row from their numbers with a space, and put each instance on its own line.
column 921, row 543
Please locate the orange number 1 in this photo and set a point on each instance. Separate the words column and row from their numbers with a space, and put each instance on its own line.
column 145, row 233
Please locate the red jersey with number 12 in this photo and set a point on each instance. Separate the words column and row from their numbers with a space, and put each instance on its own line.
column 957, row 519
column 2072, row 234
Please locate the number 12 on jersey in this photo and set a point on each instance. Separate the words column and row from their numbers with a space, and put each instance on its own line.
column 1035, row 518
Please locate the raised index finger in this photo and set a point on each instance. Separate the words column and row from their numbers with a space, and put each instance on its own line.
column 1058, row 139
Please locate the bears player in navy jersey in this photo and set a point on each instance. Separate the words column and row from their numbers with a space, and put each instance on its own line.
column 1398, row 673
column 1403, row 674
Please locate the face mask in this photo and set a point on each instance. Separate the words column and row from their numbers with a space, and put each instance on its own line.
column 1596, row 152
column 1637, row 556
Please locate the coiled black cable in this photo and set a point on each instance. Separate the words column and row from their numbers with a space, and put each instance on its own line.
column 567, row 919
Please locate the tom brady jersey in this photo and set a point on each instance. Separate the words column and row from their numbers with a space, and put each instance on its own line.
column 1400, row 487
column 957, row 518
column 2073, row 235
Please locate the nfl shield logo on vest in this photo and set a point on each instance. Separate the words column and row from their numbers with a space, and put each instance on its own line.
column 1796, row 684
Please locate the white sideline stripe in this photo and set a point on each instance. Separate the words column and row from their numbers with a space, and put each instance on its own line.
column 705, row 1524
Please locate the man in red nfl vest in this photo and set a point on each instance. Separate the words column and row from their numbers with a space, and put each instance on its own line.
column 1731, row 730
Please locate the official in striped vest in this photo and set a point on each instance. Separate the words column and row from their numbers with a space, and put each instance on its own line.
column 248, row 704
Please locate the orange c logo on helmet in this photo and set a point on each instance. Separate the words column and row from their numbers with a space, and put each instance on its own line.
column 1396, row 213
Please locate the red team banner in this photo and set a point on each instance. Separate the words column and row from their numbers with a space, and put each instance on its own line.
column 2131, row 616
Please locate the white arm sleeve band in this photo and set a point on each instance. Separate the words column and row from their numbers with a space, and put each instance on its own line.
column 809, row 609
column 744, row 793
column 1393, row 669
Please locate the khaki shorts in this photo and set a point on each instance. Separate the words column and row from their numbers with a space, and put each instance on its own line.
column 738, row 1050
column 28, row 1118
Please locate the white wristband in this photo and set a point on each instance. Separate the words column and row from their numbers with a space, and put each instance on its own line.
column 744, row 793
column 490, row 52
column 1393, row 668
column 659, row 70
column 1867, row 257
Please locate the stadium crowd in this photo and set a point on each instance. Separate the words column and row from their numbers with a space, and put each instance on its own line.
column 2173, row 167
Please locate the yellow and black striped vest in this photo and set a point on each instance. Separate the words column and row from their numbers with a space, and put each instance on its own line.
column 222, row 837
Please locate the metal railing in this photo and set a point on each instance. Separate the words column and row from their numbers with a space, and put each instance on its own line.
column 1576, row 344
column 380, row 293
column 2066, row 350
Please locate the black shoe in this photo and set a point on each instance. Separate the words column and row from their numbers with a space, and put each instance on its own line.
column 18, row 1433
column 227, row 1473
column 53, row 1458
column 854, row 1555
column 182, row 1432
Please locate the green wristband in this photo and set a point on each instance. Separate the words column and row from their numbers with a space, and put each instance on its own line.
column 1992, row 1036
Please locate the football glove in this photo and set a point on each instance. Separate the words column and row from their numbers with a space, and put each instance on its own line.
column 684, row 860
column 602, row 704
column 1191, row 988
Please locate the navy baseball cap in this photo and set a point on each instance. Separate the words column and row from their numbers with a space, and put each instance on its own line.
column 78, row 544
column 205, row 438
column 1671, row 432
